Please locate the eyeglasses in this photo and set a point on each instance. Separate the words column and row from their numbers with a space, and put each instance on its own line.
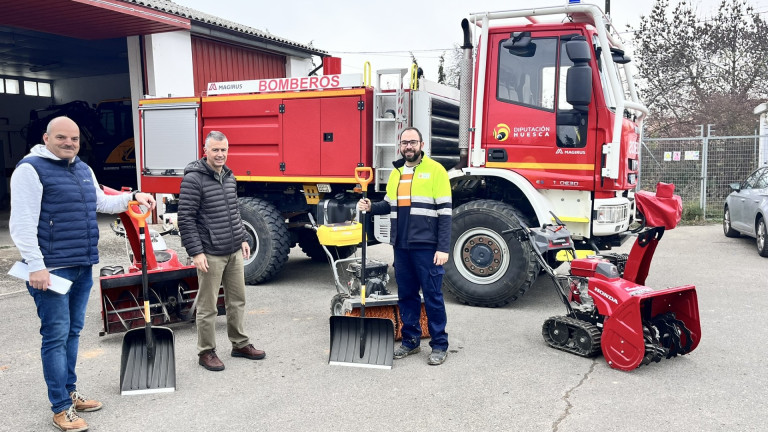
column 409, row 143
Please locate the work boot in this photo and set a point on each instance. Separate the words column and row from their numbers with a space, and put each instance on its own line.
column 248, row 352
column 437, row 357
column 84, row 404
column 69, row 421
column 210, row 361
column 403, row 351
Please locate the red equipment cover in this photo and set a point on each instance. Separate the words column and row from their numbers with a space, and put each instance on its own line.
column 662, row 209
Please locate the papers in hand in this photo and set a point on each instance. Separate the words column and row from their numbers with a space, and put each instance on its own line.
column 58, row 283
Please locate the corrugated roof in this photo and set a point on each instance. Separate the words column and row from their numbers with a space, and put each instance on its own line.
column 195, row 15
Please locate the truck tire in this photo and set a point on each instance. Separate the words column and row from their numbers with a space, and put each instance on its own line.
column 268, row 237
column 310, row 245
column 488, row 266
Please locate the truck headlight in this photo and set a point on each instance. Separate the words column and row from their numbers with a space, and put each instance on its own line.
column 612, row 214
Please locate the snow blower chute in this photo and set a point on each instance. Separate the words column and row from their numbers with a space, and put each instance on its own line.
column 608, row 306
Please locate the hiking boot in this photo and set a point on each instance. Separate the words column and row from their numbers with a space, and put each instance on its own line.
column 210, row 361
column 403, row 351
column 437, row 357
column 248, row 352
column 69, row 421
column 84, row 404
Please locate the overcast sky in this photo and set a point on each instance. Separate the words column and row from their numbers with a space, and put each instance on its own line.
column 384, row 32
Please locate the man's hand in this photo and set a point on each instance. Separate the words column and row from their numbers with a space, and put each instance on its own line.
column 364, row 204
column 246, row 250
column 201, row 262
column 40, row 279
column 440, row 258
column 145, row 199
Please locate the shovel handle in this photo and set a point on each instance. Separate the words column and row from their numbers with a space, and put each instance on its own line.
column 364, row 181
column 141, row 218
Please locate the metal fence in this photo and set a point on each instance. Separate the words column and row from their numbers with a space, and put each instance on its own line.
column 702, row 168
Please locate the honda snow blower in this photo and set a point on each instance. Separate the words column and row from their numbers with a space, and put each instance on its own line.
column 609, row 308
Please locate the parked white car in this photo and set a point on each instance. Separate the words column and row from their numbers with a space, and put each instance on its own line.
column 746, row 209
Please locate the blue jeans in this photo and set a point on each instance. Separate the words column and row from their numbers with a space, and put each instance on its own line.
column 62, row 316
column 414, row 269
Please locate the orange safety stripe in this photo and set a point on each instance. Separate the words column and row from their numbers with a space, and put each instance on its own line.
column 404, row 190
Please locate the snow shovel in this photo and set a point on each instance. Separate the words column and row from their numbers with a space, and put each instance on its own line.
column 148, row 363
column 361, row 341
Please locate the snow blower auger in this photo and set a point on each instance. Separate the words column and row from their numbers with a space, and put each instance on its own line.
column 172, row 286
column 615, row 313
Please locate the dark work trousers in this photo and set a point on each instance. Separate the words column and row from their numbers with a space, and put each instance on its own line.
column 414, row 269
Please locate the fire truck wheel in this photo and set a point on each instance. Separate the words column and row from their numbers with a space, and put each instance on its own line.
column 270, row 243
column 488, row 265
column 311, row 247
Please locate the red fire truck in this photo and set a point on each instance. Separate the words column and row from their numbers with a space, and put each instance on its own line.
column 547, row 122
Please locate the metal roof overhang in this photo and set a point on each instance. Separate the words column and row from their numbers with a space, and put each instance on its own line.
column 88, row 19
column 251, row 41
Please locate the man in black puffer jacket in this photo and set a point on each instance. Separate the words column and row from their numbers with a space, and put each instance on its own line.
column 213, row 235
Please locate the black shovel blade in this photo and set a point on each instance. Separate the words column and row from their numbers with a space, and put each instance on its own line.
column 347, row 332
column 142, row 373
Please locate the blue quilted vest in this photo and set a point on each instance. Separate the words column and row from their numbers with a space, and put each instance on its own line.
column 67, row 232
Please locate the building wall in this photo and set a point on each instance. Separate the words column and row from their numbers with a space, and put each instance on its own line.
column 169, row 64
column 217, row 61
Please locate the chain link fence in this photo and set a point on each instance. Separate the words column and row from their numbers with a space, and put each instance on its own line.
column 702, row 168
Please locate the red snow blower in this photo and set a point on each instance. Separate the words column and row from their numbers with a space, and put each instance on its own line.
column 172, row 286
column 609, row 308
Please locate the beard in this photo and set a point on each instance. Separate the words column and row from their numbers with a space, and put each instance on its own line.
column 412, row 155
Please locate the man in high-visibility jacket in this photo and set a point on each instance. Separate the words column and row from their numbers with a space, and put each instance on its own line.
column 418, row 202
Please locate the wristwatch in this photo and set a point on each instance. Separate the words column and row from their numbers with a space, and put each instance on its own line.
column 133, row 194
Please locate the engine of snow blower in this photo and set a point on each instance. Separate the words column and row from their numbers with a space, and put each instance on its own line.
column 172, row 285
column 609, row 308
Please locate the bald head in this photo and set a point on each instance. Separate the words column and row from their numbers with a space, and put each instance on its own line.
column 62, row 138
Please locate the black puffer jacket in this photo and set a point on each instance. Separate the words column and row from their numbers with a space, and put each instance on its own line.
column 209, row 217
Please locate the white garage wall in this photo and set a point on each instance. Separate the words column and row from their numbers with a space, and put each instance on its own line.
column 92, row 89
column 169, row 64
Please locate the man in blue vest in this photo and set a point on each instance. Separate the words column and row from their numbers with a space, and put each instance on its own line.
column 54, row 200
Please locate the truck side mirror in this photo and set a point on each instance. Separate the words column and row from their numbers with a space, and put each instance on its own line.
column 578, row 85
column 519, row 44
column 619, row 57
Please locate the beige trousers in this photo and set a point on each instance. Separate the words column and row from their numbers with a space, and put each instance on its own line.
column 224, row 270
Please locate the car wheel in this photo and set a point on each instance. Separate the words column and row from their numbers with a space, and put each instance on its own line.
column 727, row 230
column 762, row 248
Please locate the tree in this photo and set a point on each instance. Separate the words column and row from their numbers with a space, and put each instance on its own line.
column 441, row 69
column 453, row 70
column 698, row 71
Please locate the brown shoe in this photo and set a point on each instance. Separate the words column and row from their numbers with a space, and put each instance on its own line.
column 69, row 421
column 210, row 361
column 248, row 352
column 84, row 404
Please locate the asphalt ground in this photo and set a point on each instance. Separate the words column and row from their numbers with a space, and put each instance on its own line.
column 499, row 374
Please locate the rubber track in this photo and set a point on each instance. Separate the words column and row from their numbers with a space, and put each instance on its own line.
column 572, row 324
